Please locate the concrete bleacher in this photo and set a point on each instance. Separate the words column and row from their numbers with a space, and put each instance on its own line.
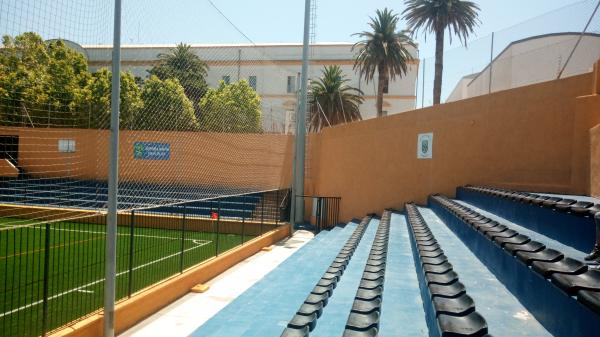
column 470, row 266
column 266, row 308
column 90, row 194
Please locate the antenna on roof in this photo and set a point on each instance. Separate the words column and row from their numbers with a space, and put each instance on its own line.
column 313, row 27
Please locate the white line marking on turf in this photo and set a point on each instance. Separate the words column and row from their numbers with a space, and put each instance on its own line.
column 122, row 234
column 79, row 289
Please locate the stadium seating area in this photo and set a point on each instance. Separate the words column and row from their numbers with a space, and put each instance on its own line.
column 489, row 262
column 89, row 194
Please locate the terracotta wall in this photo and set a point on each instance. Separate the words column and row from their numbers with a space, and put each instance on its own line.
column 531, row 138
column 258, row 161
column 7, row 169
column 595, row 162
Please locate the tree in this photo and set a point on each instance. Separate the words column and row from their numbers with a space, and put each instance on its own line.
column 332, row 100
column 185, row 66
column 42, row 83
column 100, row 86
column 383, row 50
column 231, row 108
column 460, row 17
column 166, row 107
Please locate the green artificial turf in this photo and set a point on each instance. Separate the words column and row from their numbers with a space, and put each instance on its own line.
column 75, row 277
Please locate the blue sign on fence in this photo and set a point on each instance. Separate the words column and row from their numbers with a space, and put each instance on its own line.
column 151, row 151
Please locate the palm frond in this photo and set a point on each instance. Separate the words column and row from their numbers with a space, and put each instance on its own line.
column 460, row 17
column 383, row 48
column 332, row 100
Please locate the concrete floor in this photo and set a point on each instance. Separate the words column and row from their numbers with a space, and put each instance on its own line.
column 185, row 315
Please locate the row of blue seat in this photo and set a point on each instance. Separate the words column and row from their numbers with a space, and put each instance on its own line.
column 68, row 194
column 48, row 197
column 226, row 209
column 97, row 190
column 576, row 207
column 445, row 297
column 571, row 283
column 363, row 320
column 305, row 319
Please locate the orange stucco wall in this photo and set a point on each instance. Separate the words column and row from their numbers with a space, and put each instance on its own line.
column 531, row 138
column 261, row 161
column 7, row 169
column 595, row 162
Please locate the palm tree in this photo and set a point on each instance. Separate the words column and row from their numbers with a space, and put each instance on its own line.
column 384, row 50
column 182, row 64
column 332, row 101
column 460, row 17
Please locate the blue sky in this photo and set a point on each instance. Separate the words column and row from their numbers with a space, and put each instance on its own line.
column 281, row 21
column 196, row 21
column 264, row 21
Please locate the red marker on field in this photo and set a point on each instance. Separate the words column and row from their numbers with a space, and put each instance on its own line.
column 214, row 215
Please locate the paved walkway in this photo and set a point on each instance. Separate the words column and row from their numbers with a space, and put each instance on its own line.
column 185, row 315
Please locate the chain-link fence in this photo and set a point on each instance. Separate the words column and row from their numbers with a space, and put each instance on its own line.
column 561, row 43
column 205, row 156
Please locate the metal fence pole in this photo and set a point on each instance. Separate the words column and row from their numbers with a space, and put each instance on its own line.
column 46, row 277
column 491, row 64
column 244, row 220
column 131, row 252
column 423, row 89
column 587, row 25
column 262, row 213
column 277, row 208
column 218, row 223
column 318, row 215
column 182, row 238
column 111, row 228
column 301, row 124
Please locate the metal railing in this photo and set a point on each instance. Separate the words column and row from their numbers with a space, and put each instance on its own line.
column 52, row 273
column 325, row 211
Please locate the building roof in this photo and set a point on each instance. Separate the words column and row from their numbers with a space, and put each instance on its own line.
column 536, row 37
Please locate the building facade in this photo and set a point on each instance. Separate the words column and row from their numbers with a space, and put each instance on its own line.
column 274, row 71
column 532, row 60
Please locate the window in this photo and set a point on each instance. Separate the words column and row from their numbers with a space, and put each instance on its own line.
column 252, row 81
column 66, row 145
column 227, row 79
column 291, row 84
column 386, row 86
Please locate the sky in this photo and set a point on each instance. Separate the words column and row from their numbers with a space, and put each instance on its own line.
column 280, row 21
column 337, row 20
column 271, row 21
column 259, row 21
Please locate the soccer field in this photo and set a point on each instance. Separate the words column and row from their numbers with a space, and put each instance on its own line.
column 64, row 263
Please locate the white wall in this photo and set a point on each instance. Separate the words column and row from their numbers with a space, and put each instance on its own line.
column 271, row 64
column 533, row 61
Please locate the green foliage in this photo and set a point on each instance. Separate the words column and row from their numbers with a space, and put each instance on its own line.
column 459, row 17
column 384, row 49
column 100, row 87
column 166, row 107
column 231, row 108
column 332, row 100
column 185, row 66
column 47, row 84
column 42, row 83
